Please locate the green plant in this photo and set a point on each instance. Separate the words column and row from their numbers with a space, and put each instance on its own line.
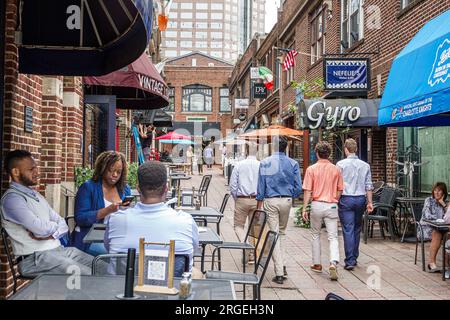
column 132, row 174
column 298, row 220
column 82, row 175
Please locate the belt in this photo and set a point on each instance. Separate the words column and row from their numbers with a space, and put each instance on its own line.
column 280, row 197
column 246, row 197
column 21, row 258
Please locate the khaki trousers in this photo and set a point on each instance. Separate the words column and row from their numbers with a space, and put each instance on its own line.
column 277, row 218
column 243, row 209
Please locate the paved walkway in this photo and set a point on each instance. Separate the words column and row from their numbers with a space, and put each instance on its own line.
column 385, row 269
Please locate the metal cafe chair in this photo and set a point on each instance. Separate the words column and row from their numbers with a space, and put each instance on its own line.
column 254, row 232
column 255, row 279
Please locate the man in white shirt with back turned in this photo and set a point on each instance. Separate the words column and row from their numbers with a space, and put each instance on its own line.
column 243, row 184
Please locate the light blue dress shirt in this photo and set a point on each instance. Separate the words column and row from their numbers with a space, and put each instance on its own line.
column 15, row 209
column 279, row 175
column 244, row 178
column 154, row 222
column 357, row 176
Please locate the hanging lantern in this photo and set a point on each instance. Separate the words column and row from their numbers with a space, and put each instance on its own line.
column 163, row 8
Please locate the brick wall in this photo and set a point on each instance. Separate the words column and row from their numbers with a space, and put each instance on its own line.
column 180, row 73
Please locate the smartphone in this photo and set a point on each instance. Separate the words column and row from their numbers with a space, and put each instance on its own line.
column 127, row 201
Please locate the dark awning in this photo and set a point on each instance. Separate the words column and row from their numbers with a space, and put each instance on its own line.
column 157, row 117
column 82, row 37
column 338, row 113
column 417, row 91
column 137, row 86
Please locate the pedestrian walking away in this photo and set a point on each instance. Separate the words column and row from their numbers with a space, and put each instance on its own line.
column 323, row 185
column 355, row 199
column 278, row 182
column 243, row 188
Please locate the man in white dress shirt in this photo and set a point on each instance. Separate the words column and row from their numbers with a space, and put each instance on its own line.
column 243, row 184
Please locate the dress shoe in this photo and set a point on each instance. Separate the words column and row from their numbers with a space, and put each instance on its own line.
column 349, row 268
column 278, row 279
column 316, row 268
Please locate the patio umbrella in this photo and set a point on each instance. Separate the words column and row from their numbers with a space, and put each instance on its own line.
column 176, row 141
column 173, row 136
column 274, row 130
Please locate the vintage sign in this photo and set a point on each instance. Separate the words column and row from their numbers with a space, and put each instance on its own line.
column 259, row 91
column 241, row 103
column 329, row 114
column 346, row 74
column 254, row 73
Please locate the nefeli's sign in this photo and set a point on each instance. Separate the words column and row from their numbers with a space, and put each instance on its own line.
column 330, row 114
column 346, row 74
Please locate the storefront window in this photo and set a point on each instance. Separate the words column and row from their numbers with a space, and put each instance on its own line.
column 197, row 98
column 224, row 100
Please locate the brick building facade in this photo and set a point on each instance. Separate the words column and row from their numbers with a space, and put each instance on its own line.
column 383, row 29
column 199, row 76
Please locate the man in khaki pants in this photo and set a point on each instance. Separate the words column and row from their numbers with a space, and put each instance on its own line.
column 323, row 184
column 278, row 182
column 243, row 184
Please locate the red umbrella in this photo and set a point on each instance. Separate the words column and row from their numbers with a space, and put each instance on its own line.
column 173, row 136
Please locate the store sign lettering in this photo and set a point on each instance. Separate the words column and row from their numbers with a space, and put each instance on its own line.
column 74, row 20
column 441, row 66
column 318, row 112
column 152, row 85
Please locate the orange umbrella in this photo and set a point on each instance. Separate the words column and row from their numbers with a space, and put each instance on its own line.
column 274, row 130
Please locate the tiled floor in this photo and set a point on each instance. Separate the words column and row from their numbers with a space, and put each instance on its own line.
column 385, row 269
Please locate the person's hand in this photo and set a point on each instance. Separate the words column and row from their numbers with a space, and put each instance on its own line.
column 369, row 207
column 442, row 202
column 305, row 216
column 39, row 239
column 113, row 207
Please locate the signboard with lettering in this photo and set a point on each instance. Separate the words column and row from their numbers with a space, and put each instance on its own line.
column 259, row 91
column 241, row 103
column 346, row 74
column 333, row 113
column 254, row 73
column 28, row 119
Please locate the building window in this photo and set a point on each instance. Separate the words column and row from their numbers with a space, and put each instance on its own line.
column 224, row 100
column 186, row 24
column 216, row 16
column 197, row 98
column 186, row 5
column 216, row 45
column 186, row 15
column 216, row 54
column 171, row 53
column 317, row 34
column 351, row 23
column 171, row 106
column 171, row 34
column 201, row 15
column 201, row 6
column 171, row 43
column 216, row 35
column 186, row 44
column 201, row 44
column 216, row 25
column 186, row 34
column 201, row 35
column 201, row 25
column 216, row 6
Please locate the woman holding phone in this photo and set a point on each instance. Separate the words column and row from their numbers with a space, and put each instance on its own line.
column 99, row 197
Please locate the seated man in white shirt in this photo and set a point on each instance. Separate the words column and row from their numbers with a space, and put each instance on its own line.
column 152, row 219
column 34, row 228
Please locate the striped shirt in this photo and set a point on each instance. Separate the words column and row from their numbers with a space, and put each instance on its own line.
column 357, row 176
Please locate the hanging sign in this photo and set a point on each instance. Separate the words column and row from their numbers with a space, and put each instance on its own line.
column 254, row 73
column 259, row 91
column 241, row 103
column 346, row 74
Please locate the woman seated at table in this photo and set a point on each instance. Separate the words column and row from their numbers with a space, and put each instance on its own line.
column 433, row 208
column 99, row 197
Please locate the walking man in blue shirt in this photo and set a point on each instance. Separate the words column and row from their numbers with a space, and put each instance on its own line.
column 278, row 182
column 357, row 196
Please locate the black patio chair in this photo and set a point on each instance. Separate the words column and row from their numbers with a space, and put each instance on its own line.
column 333, row 296
column 13, row 261
column 255, row 279
column 202, row 191
column 221, row 210
column 377, row 187
column 115, row 264
column 417, row 210
column 254, row 232
column 382, row 213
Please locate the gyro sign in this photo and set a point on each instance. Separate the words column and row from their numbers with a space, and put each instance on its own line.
column 329, row 114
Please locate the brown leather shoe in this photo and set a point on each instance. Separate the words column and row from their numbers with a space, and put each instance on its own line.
column 278, row 279
column 316, row 268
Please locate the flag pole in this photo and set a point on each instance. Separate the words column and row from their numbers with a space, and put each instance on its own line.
column 280, row 107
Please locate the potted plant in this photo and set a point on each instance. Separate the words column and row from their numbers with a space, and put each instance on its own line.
column 298, row 220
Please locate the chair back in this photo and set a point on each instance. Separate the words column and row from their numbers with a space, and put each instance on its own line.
column 333, row 296
column 388, row 196
column 266, row 254
column 256, row 226
column 416, row 208
column 204, row 185
column 12, row 261
column 116, row 263
column 224, row 203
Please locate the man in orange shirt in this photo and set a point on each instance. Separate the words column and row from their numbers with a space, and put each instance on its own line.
column 323, row 184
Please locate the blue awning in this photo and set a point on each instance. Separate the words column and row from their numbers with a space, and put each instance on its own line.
column 82, row 37
column 417, row 92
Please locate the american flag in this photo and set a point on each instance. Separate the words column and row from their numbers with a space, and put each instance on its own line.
column 289, row 60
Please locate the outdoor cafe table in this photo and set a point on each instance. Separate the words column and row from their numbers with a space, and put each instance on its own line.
column 54, row 287
column 206, row 236
column 204, row 212
column 406, row 210
column 443, row 229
